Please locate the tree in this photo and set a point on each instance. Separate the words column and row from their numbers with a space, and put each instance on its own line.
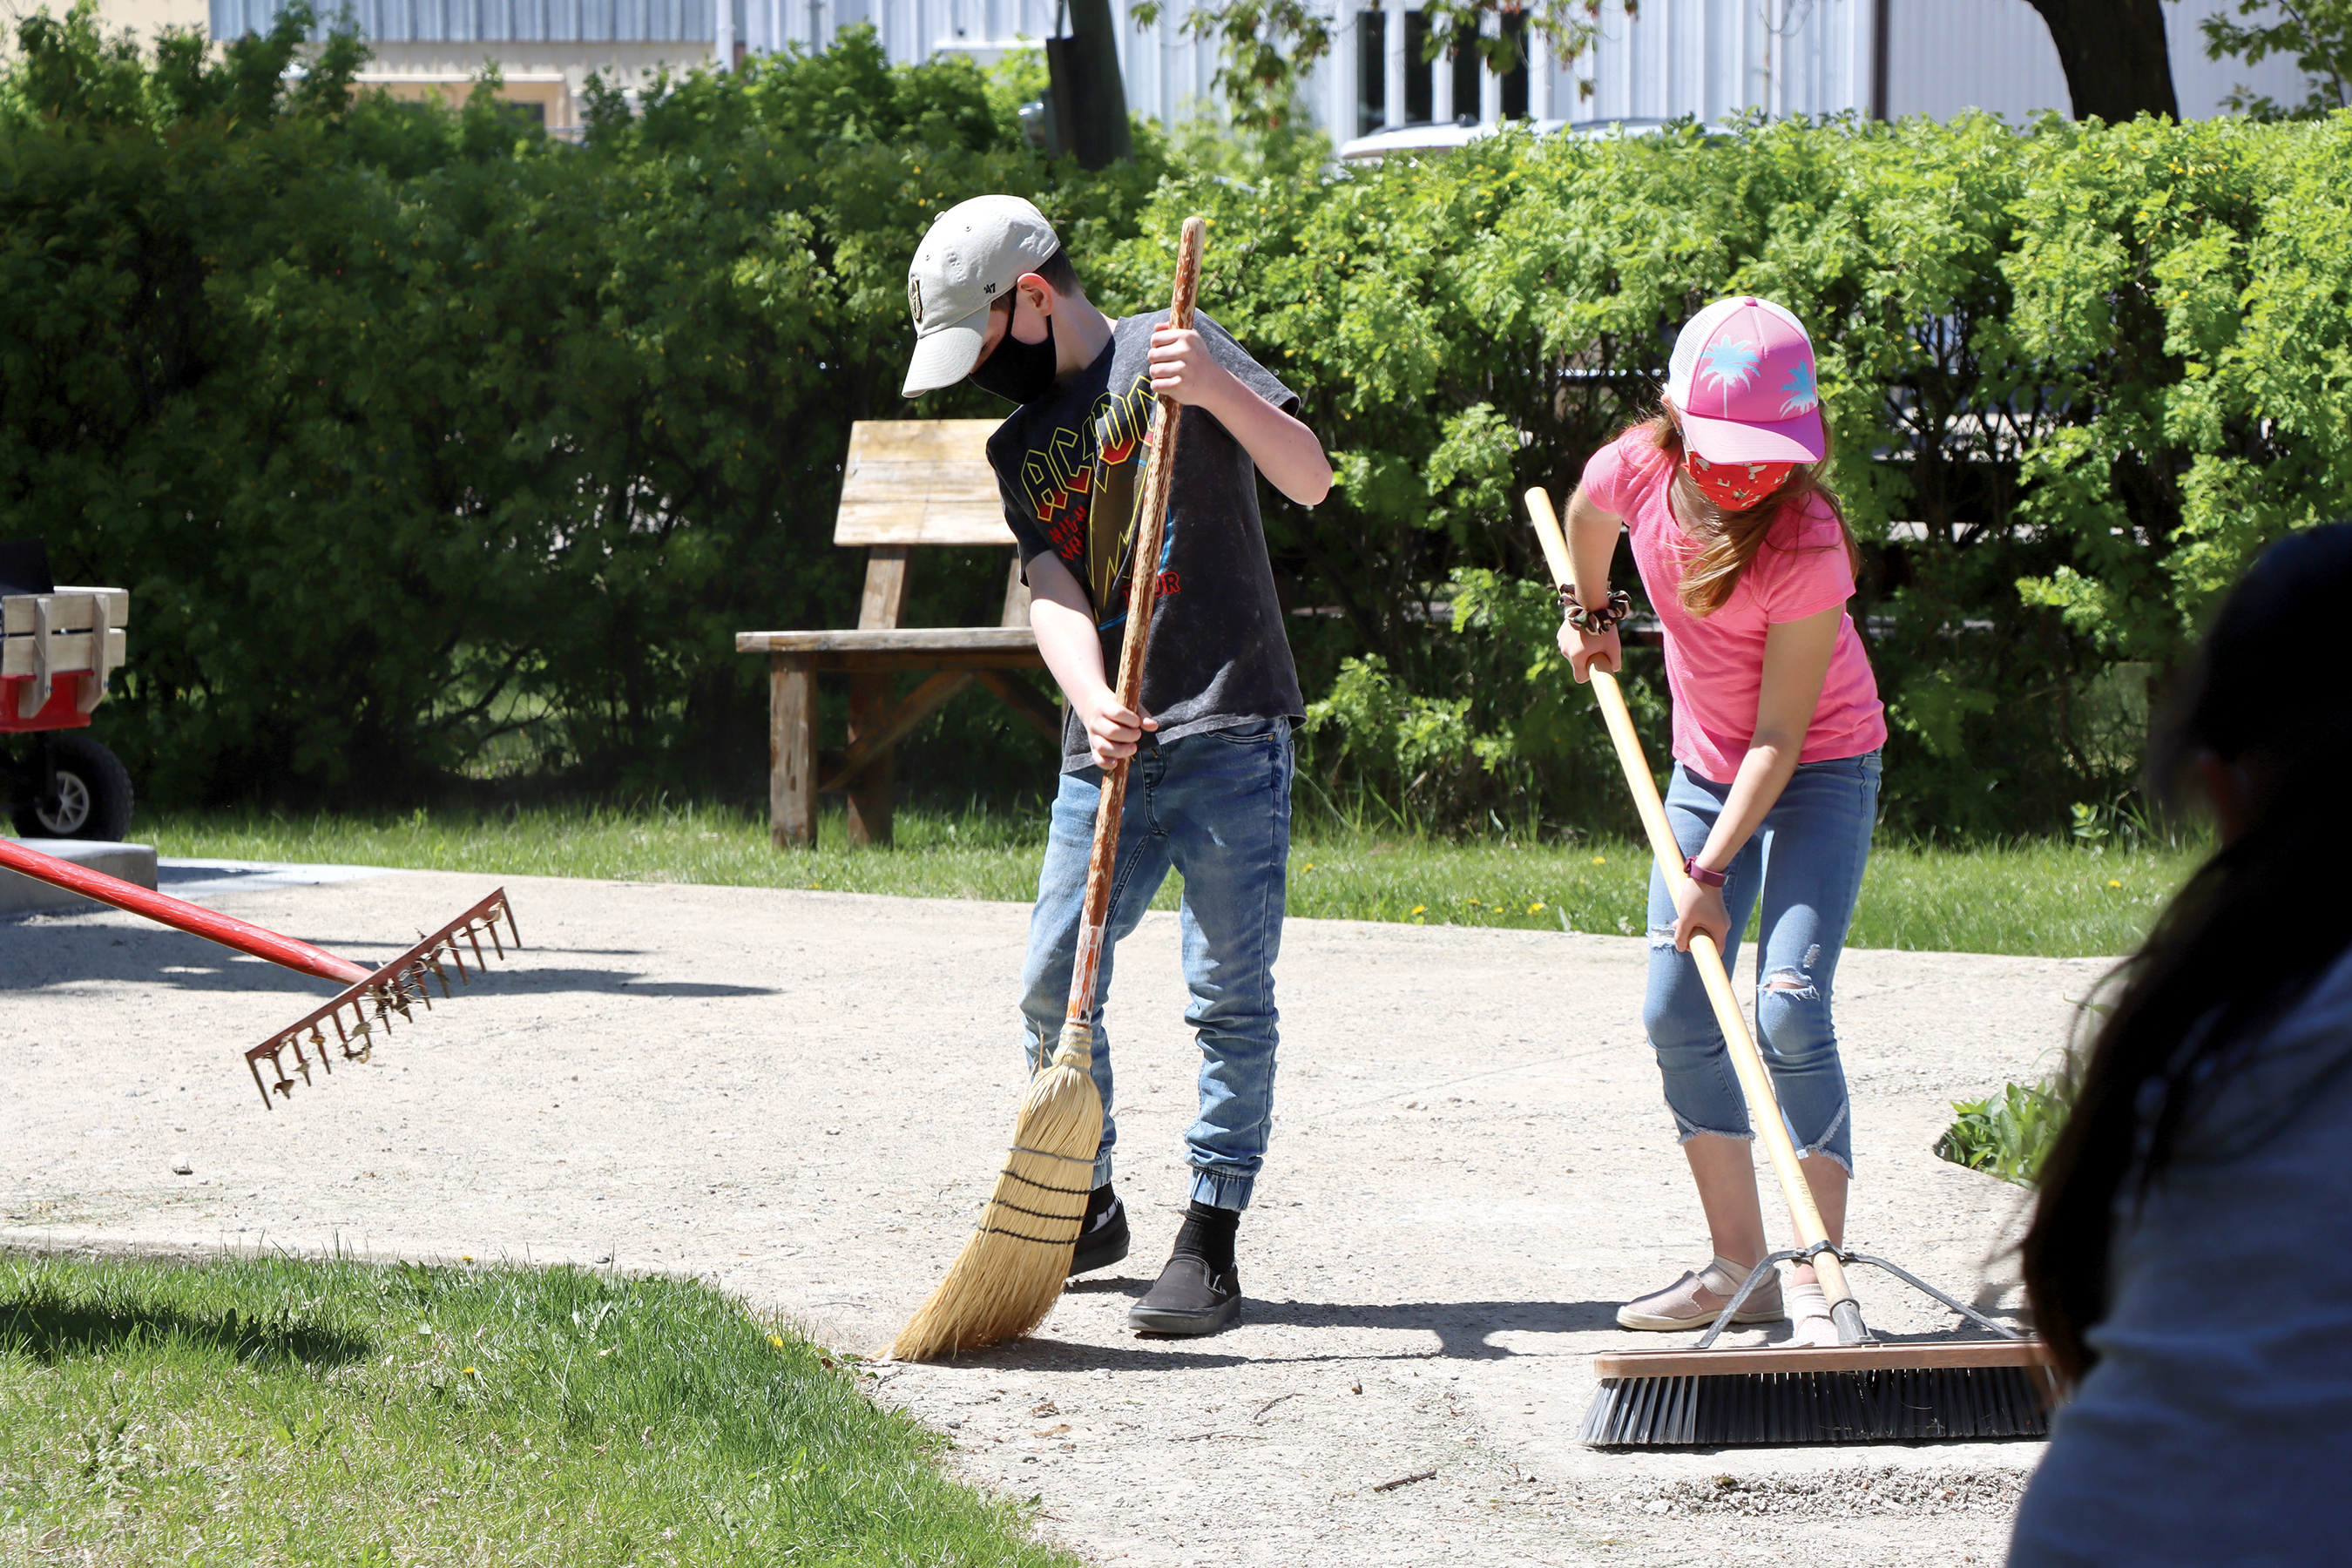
column 2317, row 33
column 1089, row 97
column 1265, row 45
column 2115, row 56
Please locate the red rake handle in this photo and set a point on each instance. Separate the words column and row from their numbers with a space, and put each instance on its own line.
column 1143, row 588
column 193, row 919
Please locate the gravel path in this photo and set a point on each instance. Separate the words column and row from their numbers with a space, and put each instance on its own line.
column 803, row 1098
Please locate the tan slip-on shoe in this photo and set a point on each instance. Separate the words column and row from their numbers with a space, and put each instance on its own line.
column 1693, row 1301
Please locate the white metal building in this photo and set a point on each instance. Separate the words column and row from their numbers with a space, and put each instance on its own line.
column 1709, row 58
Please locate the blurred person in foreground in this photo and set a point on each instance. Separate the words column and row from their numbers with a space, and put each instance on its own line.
column 2190, row 1258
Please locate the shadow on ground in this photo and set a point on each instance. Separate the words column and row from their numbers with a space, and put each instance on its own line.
column 50, row 1330
column 44, row 954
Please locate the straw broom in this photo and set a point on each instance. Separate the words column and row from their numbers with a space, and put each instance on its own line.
column 1858, row 1390
column 1012, row 1270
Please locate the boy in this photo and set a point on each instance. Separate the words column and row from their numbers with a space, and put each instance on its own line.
column 994, row 298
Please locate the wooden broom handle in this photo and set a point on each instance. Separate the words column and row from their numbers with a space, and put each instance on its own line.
column 1143, row 592
column 1803, row 1213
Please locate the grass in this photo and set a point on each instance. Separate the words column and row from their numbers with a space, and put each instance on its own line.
column 251, row 1414
column 2007, row 1135
column 2053, row 898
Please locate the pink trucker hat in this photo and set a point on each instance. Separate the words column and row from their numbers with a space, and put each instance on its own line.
column 1742, row 379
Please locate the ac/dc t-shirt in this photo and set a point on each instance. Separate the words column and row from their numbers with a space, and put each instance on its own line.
column 1069, row 466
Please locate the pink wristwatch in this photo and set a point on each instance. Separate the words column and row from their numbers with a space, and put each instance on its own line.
column 1701, row 874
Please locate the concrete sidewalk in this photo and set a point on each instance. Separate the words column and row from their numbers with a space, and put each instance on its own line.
column 804, row 1098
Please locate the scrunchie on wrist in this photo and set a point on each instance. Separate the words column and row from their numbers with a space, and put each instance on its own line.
column 1601, row 617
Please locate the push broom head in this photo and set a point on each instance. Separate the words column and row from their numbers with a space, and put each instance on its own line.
column 1843, row 1393
column 1011, row 1272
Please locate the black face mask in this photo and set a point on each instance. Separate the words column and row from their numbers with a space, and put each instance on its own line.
column 1018, row 371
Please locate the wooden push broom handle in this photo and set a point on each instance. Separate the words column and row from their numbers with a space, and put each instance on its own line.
column 1745, row 1059
column 1143, row 592
column 193, row 919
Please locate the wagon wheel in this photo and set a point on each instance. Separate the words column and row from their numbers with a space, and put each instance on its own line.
column 92, row 798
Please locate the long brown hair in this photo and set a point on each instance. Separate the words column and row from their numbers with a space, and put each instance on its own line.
column 1731, row 540
column 2238, row 945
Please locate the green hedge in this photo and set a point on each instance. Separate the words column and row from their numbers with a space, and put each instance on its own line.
column 420, row 437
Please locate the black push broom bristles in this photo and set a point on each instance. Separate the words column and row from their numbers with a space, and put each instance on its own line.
column 1865, row 1404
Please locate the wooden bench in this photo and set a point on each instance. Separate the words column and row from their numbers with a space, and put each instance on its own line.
column 907, row 482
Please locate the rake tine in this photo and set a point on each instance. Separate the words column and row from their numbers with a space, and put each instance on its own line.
column 376, row 999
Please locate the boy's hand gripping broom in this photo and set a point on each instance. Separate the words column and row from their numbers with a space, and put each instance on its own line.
column 1859, row 1390
column 372, row 997
column 1011, row 1272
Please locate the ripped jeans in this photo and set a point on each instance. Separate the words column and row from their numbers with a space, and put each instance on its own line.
column 1806, row 862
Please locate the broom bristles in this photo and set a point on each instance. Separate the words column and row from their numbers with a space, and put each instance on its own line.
column 1844, row 1394
column 1011, row 1272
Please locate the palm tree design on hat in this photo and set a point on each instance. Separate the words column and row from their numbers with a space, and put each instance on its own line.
column 1730, row 365
column 1803, row 392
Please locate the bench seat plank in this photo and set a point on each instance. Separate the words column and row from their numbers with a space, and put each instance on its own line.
column 893, row 639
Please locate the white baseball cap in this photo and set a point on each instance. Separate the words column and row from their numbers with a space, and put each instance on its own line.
column 1742, row 379
column 974, row 253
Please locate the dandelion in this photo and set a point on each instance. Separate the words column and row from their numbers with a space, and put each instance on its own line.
column 471, row 1372
column 1537, row 908
column 1469, row 900
column 1308, row 866
column 777, row 1340
column 2111, row 883
column 469, row 1257
column 1600, row 859
column 1421, row 909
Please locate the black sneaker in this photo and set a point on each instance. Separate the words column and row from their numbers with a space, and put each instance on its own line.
column 1103, row 1242
column 1188, row 1300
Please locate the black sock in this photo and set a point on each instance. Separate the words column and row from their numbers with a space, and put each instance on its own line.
column 1208, row 1234
column 1099, row 1203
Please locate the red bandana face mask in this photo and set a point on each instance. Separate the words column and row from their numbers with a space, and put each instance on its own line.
column 1735, row 487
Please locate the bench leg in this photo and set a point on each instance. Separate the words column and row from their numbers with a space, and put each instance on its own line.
column 871, row 792
column 792, row 751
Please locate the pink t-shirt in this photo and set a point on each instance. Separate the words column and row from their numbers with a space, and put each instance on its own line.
column 1714, row 664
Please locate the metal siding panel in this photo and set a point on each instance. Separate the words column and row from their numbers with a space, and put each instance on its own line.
column 2200, row 84
column 1996, row 55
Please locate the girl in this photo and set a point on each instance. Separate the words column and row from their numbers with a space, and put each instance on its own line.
column 1777, row 729
column 2190, row 1260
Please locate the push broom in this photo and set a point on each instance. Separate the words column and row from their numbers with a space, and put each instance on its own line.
column 1860, row 1389
column 372, row 997
column 1011, row 1272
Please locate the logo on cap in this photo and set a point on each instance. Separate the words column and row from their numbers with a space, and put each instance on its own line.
column 915, row 299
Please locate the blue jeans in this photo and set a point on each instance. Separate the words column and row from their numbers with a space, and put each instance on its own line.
column 1806, row 861
column 1216, row 806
